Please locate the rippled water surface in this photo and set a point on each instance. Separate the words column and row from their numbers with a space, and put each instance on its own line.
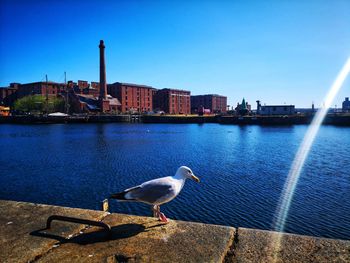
column 242, row 170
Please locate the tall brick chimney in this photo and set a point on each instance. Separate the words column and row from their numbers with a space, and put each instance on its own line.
column 104, row 103
column 103, row 84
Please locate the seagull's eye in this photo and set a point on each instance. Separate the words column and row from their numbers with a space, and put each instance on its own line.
column 189, row 171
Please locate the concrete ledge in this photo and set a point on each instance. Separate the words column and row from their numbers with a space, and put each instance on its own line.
column 134, row 238
column 19, row 222
column 144, row 239
column 266, row 246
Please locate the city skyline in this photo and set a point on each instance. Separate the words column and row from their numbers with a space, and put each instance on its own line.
column 272, row 51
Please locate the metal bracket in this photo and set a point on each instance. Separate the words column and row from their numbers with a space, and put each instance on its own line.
column 105, row 205
column 78, row 221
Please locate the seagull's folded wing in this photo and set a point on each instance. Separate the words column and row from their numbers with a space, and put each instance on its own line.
column 151, row 192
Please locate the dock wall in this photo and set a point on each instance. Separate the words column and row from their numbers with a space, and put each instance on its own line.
column 24, row 238
column 334, row 119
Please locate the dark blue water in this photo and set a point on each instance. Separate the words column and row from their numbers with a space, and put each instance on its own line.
column 242, row 171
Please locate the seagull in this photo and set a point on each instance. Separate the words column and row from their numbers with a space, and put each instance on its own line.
column 158, row 191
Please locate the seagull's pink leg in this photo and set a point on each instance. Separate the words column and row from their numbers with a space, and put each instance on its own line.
column 161, row 216
column 155, row 211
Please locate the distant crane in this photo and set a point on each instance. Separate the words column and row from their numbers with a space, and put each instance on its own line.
column 65, row 83
column 47, row 95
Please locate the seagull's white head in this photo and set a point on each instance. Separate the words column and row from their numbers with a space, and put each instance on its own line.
column 186, row 173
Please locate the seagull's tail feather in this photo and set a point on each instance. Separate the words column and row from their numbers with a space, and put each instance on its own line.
column 119, row 196
column 126, row 195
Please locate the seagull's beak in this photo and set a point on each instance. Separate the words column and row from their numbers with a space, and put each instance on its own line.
column 195, row 178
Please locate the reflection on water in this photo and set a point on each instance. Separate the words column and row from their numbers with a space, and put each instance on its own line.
column 242, row 170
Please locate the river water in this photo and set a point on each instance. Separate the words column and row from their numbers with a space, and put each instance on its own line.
column 242, row 171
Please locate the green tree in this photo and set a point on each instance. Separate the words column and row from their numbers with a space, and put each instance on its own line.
column 39, row 104
column 33, row 104
column 56, row 104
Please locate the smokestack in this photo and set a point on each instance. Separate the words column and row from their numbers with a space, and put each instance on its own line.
column 103, row 84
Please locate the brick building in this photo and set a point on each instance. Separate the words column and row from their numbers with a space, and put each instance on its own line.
column 82, row 86
column 82, row 96
column 94, row 89
column 8, row 95
column 18, row 91
column 215, row 103
column 71, row 85
column 40, row 88
column 173, row 101
column 133, row 97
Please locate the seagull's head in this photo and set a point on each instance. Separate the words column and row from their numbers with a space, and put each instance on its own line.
column 187, row 173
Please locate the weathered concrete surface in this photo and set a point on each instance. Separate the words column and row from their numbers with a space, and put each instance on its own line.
column 20, row 239
column 133, row 238
column 263, row 246
column 145, row 239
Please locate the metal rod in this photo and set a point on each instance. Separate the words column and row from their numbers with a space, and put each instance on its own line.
column 47, row 95
column 76, row 220
column 105, row 205
column 65, row 83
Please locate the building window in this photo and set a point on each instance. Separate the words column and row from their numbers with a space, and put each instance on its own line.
column 285, row 108
column 273, row 108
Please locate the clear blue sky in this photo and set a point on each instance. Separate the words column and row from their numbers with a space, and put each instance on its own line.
column 276, row 51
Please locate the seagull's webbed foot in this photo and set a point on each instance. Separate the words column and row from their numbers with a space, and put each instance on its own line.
column 161, row 216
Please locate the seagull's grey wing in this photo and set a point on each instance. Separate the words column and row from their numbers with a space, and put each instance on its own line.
column 152, row 193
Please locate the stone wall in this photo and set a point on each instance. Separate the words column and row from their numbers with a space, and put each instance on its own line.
column 23, row 238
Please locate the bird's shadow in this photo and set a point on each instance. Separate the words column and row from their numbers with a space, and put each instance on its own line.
column 100, row 235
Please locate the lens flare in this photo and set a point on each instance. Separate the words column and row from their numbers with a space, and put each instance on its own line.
column 304, row 149
column 298, row 163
